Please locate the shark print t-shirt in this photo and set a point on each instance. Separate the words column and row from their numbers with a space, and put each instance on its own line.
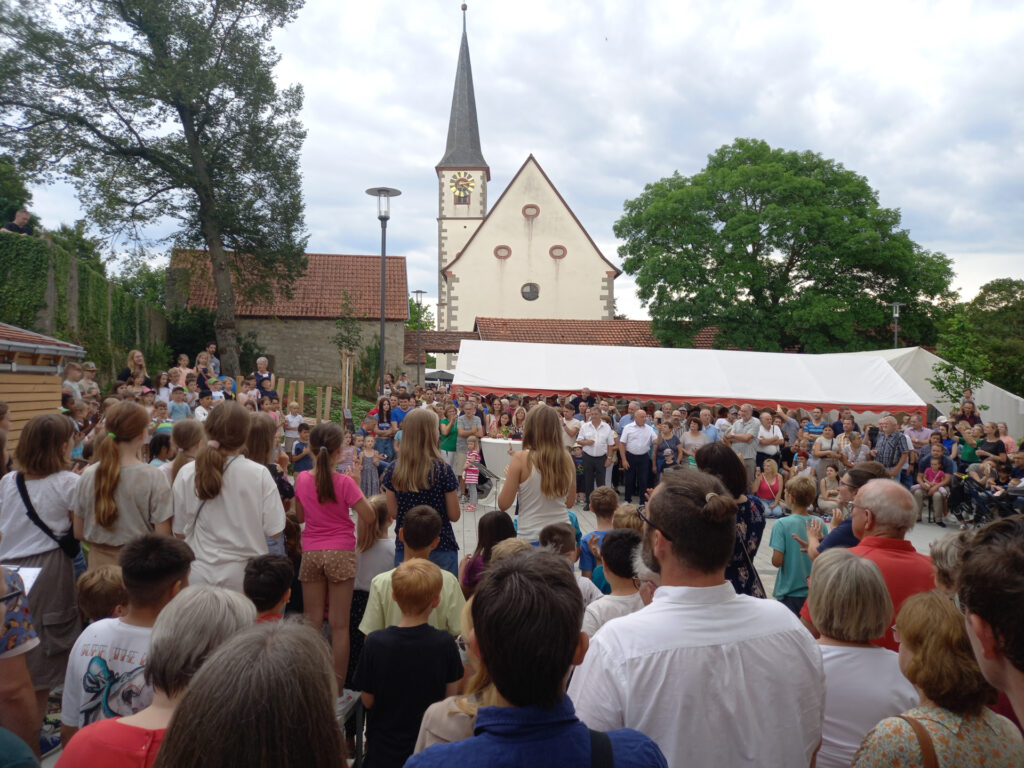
column 106, row 673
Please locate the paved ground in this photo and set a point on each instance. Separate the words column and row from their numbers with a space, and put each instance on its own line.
column 922, row 535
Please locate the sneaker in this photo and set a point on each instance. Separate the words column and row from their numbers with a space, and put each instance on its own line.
column 49, row 736
column 344, row 705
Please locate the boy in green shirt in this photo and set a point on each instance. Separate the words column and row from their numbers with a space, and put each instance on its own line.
column 794, row 565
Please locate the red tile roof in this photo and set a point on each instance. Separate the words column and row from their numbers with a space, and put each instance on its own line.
column 18, row 335
column 610, row 333
column 434, row 341
column 705, row 338
column 318, row 293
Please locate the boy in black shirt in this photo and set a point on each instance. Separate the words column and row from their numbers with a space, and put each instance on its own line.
column 405, row 668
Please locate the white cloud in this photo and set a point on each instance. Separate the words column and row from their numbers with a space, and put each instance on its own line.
column 922, row 98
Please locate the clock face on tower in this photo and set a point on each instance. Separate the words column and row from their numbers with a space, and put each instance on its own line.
column 462, row 184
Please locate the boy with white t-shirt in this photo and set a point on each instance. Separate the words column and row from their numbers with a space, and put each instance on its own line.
column 617, row 550
column 106, row 671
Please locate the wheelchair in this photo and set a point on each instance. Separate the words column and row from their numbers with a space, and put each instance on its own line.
column 977, row 505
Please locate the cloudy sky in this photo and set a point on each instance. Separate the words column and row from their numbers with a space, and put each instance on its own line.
column 925, row 99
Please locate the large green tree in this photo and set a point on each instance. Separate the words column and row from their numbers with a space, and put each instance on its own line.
column 779, row 250
column 420, row 316
column 996, row 316
column 162, row 110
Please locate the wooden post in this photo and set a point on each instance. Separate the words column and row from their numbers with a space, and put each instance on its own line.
column 327, row 404
column 291, row 392
column 302, row 396
column 282, row 389
column 319, row 404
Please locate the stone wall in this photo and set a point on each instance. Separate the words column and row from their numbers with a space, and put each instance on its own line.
column 302, row 349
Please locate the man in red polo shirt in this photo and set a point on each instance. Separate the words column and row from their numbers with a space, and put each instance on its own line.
column 883, row 512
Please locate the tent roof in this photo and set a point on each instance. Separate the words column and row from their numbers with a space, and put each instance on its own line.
column 693, row 375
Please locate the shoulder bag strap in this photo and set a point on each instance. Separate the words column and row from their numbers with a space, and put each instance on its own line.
column 928, row 758
column 600, row 750
column 19, row 480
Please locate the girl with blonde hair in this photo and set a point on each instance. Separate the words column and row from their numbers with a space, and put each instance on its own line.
column 421, row 476
column 225, row 505
column 121, row 497
column 136, row 363
column 542, row 475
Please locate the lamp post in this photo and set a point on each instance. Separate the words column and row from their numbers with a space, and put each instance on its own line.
column 383, row 195
column 895, row 323
column 419, row 321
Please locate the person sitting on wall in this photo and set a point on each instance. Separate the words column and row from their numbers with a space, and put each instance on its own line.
column 20, row 225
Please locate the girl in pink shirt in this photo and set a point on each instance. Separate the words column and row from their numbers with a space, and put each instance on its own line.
column 323, row 498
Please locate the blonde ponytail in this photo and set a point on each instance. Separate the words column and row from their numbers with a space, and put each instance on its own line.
column 124, row 423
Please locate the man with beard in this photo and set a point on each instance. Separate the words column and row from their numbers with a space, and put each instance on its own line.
column 715, row 678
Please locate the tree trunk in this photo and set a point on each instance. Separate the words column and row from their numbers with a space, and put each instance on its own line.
column 224, row 322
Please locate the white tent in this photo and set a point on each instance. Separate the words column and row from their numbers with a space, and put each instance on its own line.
column 914, row 365
column 693, row 375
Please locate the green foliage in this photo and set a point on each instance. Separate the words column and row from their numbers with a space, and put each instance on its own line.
column 349, row 336
column 779, row 250
column 164, row 111
column 75, row 241
column 27, row 262
column 996, row 316
column 420, row 316
column 24, row 264
column 143, row 281
column 360, row 408
column 367, row 370
column 964, row 364
column 13, row 194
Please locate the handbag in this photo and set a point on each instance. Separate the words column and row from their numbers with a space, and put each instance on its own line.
column 68, row 543
column 924, row 740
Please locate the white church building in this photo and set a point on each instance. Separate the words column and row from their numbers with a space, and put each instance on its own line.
column 528, row 256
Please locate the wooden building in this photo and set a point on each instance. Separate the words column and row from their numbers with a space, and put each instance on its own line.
column 31, row 368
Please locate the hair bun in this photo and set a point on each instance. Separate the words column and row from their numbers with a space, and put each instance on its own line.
column 719, row 506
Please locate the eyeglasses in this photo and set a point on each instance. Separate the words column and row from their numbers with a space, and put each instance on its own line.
column 648, row 520
column 848, row 485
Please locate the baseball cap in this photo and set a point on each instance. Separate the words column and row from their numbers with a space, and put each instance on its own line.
column 89, row 366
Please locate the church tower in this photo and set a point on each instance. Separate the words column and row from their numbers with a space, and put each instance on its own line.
column 462, row 177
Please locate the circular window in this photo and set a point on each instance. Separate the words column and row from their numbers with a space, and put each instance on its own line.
column 557, row 251
column 502, row 252
column 531, row 210
column 530, row 291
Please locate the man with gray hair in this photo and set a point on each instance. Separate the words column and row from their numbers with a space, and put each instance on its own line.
column 883, row 512
column 891, row 449
column 743, row 439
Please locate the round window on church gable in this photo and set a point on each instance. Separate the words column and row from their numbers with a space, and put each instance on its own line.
column 531, row 210
column 557, row 251
column 531, row 291
column 502, row 252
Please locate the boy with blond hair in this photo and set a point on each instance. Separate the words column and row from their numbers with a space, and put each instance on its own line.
column 101, row 593
column 794, row 565
column 405, row 668
column 603, row 503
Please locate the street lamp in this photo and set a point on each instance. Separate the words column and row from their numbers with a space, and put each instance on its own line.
column 383, row 195
column 419, row 323
column 895, row 323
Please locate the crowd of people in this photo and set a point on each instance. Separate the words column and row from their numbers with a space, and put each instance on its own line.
column 212, row 583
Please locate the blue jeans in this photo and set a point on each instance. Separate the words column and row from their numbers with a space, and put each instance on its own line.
column 385, row 446
column 446, row 560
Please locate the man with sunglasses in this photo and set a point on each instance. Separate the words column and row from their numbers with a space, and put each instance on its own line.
column 700, row 670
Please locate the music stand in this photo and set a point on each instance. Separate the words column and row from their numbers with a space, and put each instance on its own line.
column 496, row 480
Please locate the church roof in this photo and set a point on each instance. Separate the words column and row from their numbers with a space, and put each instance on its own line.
column 463, row 148
column 606, row 333
column 317, row 293
column 497, row 207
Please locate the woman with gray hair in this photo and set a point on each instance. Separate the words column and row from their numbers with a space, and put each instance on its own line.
column 188, row 629
column 850, row 605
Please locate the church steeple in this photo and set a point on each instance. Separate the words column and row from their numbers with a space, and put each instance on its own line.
column 463, row 148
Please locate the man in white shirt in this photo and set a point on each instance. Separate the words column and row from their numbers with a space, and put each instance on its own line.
column 635, row 453
column 715, row 678
column 598, row 443
column 743, row 439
